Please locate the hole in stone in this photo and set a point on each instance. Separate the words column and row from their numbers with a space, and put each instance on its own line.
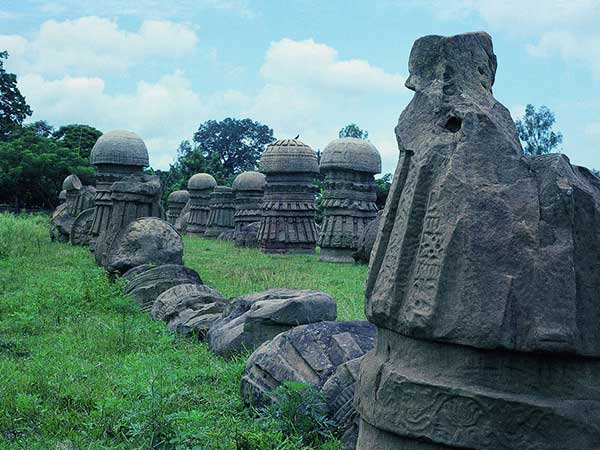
column 453, row 124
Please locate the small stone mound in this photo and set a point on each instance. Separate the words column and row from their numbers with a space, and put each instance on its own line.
column 189, row 308
column 147, row 283
column 309, row 354
column 255, row 318
column 338, row 392
column 80, row 231
column 148, row 240
column 247, row 236
column 366, row 241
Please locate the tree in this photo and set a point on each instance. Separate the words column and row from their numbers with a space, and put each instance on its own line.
column 32, row 169
column 13, row 107
column 77, row 137
column 383, row 185
column 40, row 127
column 535, row 131
column 229, row 147
column 353, row 130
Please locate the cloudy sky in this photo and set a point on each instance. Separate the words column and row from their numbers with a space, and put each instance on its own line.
column 306, row 67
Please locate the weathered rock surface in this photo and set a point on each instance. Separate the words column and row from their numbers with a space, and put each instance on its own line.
column 184, row 216
column 148, row 282
column 252, row 319
column 148, row 240
column 189, row 308
column 338, row 392
column 349, row 196
column 366, row 241
column 222, row 209
column 484, row 279
column 60, row 222
column 175, row 204
column 309, row 353
column 82, row 226
column 228, row 235
column 288, row 209
column 248, row 189
column 200, row 186
column 247, row 235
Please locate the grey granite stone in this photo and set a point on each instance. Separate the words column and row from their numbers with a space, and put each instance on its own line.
column 200, row 186
column 220, row 215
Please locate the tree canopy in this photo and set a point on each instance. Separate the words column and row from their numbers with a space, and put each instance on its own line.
column 77, row 137
column 230, row 146
column 13, row 107
column 354, row 131
column 535, row 131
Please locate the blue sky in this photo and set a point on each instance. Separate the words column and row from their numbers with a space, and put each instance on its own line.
column 303, row 67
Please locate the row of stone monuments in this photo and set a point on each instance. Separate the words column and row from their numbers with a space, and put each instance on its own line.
column 483, row 286
column 275, row 210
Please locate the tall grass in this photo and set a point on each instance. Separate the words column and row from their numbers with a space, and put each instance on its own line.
column 82, row 368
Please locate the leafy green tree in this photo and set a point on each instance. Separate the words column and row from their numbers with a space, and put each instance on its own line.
column 40, row 127
column 535, row 131
column 13, row 107
column 229, row 147
column 78, row 137
column 353, row 130
column 383, row 185
column 32, row 169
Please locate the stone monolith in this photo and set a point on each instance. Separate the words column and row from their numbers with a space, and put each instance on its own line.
column 484, row 278
column 288, row 209
column 176, row 201
column 200, row 186
column 220, row 215
column 349, row 166
column 248, row 189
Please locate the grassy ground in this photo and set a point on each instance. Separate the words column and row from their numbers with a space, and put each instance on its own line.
column 82, row 368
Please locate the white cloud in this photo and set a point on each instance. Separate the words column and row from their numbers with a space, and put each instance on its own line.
column 593, row 129
column 94, row 45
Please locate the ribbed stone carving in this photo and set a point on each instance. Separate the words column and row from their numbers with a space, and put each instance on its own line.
column 248, row 189
column 77, row 199
column 288, row 221
column 115, row 155
column 220, row 215
column 200, row 186
column 175, row 204
column 349, row 166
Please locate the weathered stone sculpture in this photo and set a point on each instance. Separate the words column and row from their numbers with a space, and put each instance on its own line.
column 308, row 353
column 77, row 198
column 484, row 278
column 184, row 216
column 175, row 204
column 252, row 319
column 366, row 240
column 200, row 186
column 222, row 209
column 115, row 155
column 72, row 185
column 62, row 197
column 288, row 221
column 249, row 189
column 147, row 240
column 349, row 166
column 189, row 308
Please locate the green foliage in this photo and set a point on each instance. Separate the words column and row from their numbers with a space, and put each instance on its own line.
column 299, row 409
column 77, row 137
column 81, row 367
column 32, row 169
column 383, row 185
column 354, row 131
column 228, row 147
column 13, row 107
column 41, row 128
column 535, row 131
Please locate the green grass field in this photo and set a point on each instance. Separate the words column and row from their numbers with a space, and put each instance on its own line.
column 82, row 368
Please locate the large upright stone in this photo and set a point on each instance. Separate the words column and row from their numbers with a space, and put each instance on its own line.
column 288, row 210
column 248, row 189
column 77, row 198
column 176, row 201
column 115, row 154
column 72, row 185
column 200, row 186
column 349, row 166
column 222, row 209
column 484, row 278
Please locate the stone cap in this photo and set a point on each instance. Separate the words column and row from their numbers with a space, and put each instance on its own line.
column 62, row 195
column 201, row 181
column 288, row 155
column 249, row 181
column 178, row 196
column 352, row 154
column 72, row 183
column 120, row 147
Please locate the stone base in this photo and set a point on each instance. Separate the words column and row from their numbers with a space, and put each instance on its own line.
column 468, row 398
column 292, row 249
column 371, row 438
column 337, row 255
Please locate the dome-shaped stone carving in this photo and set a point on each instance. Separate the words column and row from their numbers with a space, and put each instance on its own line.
column 249, row 181
column 201, row 181
column 175, row 204
column 351, row 154
column 71, row 183
column 119, row 147
column 288, row 155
